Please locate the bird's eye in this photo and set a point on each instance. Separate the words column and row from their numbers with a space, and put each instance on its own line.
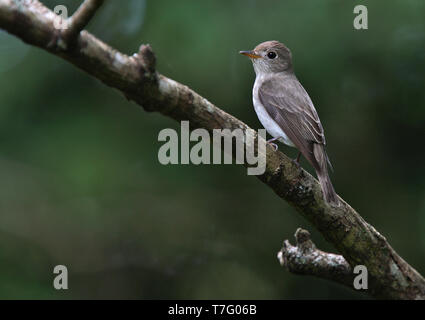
column 271, row 55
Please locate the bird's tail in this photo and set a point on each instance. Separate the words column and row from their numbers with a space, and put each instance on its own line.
column 323, row 175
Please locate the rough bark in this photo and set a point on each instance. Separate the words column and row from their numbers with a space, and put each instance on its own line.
column 304, row 258
column 135, row 76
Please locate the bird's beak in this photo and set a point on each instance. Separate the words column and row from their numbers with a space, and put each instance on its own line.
column 250, row 54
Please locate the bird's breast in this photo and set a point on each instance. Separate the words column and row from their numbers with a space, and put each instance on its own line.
column 266, row 120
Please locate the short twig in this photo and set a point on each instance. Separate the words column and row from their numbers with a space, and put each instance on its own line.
column 304, row 258
column 80, row 19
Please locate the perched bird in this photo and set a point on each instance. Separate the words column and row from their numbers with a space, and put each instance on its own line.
column 286, row 111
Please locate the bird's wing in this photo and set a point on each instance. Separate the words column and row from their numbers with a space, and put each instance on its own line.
column 291, row 108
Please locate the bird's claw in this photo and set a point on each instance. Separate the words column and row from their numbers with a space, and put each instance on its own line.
column 274, row 146
column 295, row 161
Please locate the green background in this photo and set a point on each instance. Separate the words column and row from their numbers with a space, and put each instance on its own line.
column 81, row 185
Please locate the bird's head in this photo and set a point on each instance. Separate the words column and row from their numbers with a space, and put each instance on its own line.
column 270, row 57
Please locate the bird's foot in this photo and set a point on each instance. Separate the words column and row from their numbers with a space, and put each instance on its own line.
column 274, row 145
column 296, row 161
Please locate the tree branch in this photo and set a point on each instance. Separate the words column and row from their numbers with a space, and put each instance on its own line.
column 304, row 258
column 389, row 275
column 80, row 19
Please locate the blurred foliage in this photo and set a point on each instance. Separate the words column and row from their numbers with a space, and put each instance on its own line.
column 80, row 183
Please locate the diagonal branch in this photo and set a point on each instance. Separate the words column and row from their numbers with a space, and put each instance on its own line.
column 80, row 19
column 389, row 275
column 304, row 258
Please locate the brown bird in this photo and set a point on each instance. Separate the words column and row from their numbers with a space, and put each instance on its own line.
column 286, row 111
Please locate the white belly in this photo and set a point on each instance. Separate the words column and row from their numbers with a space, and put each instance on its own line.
column 268, row 123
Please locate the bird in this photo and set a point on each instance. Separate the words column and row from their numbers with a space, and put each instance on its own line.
column 286, row 111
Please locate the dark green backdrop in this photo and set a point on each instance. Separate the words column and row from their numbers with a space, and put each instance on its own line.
column 80, row 183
